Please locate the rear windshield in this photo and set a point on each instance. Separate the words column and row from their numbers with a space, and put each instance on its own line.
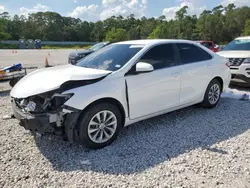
column 238, row 44
column 111, row 57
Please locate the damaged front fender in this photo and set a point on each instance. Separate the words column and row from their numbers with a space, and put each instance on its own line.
column 70, row 125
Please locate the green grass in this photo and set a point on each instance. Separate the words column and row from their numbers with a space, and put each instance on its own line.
column 8, row 46
column 15, row 46
column 65, row 47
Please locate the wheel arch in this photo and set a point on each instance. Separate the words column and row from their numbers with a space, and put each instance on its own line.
column 113, row 101
column 220, row 80
column 215, row 78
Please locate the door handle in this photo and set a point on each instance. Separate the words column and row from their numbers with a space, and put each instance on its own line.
column 176, row 74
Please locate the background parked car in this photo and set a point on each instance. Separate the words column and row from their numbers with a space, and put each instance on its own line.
column 74, row 57
column 210, row 45
column 238, row 54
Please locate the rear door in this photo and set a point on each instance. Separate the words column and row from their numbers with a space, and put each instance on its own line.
column 195, row 72
column 158, row 90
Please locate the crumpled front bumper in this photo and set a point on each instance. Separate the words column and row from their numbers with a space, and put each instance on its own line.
column 39, row 123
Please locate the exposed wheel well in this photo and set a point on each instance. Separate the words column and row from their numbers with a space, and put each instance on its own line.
column 220, row 80
column 112, row 101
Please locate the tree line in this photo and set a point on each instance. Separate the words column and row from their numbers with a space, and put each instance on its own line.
column 221, row 25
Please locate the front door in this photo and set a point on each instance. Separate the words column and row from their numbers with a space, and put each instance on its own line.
column 158, row 90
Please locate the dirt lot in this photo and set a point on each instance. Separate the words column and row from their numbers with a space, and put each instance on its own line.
column 193, row 147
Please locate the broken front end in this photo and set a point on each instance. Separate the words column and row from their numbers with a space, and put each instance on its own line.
column 46, row 113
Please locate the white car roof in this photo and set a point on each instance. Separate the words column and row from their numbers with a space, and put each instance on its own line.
column 241, row 38
column 153, row 41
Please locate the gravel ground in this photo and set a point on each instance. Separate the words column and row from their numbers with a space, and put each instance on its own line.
column 193, row 147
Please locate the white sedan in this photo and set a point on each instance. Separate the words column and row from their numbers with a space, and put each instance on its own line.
column 119, row 85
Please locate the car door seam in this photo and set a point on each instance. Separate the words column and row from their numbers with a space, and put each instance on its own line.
column 127, row 98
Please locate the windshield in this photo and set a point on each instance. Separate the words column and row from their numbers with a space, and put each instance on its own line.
column 97, row 46
column 111, row 57
column 238, row 44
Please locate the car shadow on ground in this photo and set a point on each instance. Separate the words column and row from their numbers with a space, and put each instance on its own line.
column 154, row 141
column 245, row 88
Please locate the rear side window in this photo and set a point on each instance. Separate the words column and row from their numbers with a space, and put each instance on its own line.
column 207, row 44
column 190, row 53
column 159, row 57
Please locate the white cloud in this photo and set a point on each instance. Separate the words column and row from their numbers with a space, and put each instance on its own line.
column 109, row 2
column 194, row 7
column 238, row 3
column 144, row 2
column 170, row 12
column 123, row 8
column 2, row 8
column 37, row 8
column 85, row 12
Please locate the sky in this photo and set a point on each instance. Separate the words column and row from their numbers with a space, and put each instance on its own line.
column 93, row 10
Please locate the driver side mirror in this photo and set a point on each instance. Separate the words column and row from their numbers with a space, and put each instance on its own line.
column 143, row 67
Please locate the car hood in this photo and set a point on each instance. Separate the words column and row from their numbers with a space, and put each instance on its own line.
column 80, row 52
column 234, row 54
column 48, row 79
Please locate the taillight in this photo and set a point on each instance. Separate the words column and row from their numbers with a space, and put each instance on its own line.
column 228, row 64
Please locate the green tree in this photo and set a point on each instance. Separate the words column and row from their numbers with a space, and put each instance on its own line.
column 246, row 31
column 220, row 24
column 115, row 35
column 147, row 26
column 134, row 33
column 180, row 14
column 4, row 36
column 15, row 27
column 160, row 32
column 98, row 33
column 3, row 27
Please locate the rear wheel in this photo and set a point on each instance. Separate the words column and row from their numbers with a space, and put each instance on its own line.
column 99, row 125
column 212, row 95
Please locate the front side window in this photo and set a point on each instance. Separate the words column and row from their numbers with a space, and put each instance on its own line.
column 111, row 57
column 159, row 57
column 190, row 53
column 238, row 44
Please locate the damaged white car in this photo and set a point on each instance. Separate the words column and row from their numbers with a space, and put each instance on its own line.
column 121, row 84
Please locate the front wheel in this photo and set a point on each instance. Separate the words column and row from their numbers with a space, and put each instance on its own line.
column 212, row 95
column 100, row 125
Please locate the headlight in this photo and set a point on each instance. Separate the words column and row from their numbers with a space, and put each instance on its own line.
column 31, row 107
column 81, row 56
column 246, row 61
column 58, row 100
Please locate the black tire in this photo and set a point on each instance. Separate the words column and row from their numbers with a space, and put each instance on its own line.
column 13, row 81
column 85, row 119
column 206, row 103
